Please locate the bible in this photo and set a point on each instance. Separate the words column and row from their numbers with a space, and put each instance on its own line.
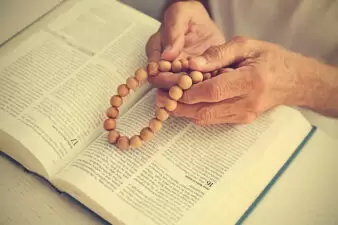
column 56, row 80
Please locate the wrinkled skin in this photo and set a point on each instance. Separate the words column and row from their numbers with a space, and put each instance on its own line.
column 264, row 75
column 186, row 31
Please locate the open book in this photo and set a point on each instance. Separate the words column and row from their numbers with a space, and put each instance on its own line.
column 56, row 84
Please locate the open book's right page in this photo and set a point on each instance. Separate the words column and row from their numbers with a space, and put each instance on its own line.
column 187, row 174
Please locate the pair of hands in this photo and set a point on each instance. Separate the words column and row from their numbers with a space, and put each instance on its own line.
column 264, row 75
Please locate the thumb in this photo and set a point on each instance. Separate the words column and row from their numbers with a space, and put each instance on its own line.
column 174, row 30
column 215, row 57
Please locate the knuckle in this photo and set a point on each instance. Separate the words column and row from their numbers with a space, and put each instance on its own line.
column 240, row 39
column 200, row 122
column 174, row 8
column 215, row 92
column 215, row 52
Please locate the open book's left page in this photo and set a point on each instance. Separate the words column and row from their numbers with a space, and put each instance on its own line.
column 56, row 85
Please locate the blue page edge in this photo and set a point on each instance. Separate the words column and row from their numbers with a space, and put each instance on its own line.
column 277, row 176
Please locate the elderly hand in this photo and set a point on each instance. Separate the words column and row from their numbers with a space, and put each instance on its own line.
column 186, row 31
column 264, row 75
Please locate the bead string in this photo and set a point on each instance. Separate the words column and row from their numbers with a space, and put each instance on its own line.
column 186, row 81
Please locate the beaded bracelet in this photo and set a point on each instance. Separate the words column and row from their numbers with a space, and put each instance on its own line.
column 186, row 81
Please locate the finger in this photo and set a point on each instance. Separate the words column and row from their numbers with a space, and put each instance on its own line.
column 164, row 80
column 206, row 112
column 175, row 25
column 227, row 85
column 153, row 47
column 182, row 110
column 242, row 118
column 218, row 56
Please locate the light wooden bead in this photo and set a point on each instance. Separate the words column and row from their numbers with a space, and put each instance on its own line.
column 225, row 70
column 176, row 66
column 170, row 104
column 214, row 73
column 123, row 143
column 113, row 136
column 153, row 68
column 185, row 82
column 132, row 83
column 146, row 134
column 109, row 124
column 206, row 76
column 116, row 101
column 185, row 64
column 155, row 124
column 123, row 90
column 161, row 114
column 113, row 112
column 165, row 66
column 141, row 75
column 135, row 141
column 175, row 92
column 196, row 76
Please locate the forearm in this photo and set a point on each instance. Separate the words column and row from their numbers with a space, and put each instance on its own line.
column 320, row 84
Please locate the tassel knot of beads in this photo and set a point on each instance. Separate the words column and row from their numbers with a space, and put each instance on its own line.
column 186, row 81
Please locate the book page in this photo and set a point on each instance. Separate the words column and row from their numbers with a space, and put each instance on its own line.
column 183, row 171
column 56, row 90
column 93, row 25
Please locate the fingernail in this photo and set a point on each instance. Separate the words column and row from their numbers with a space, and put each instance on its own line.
column 199, row 60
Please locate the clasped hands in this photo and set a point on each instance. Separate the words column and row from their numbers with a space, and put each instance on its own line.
column 260, row 75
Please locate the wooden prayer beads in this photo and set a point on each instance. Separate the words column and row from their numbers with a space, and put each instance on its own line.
column 186, row 81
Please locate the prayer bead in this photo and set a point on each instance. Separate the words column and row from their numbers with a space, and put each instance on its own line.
column 185, row 82
column 132, row 83
column 206, row 76
column 135, row 141
column 165, row 66
column 155, row 125
column 170, row 104
column 141, row 75
column 176, row 66
column 185, row 64
column 214, row 73
column 123, row 143
column 116, row 101
column 196, row 76
column 225, row 70
column 113, row 136
column 175, row 92
column 162, row 114
column 113, row 112
column 146, row 134
column 110, row 124
column 123, row 90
